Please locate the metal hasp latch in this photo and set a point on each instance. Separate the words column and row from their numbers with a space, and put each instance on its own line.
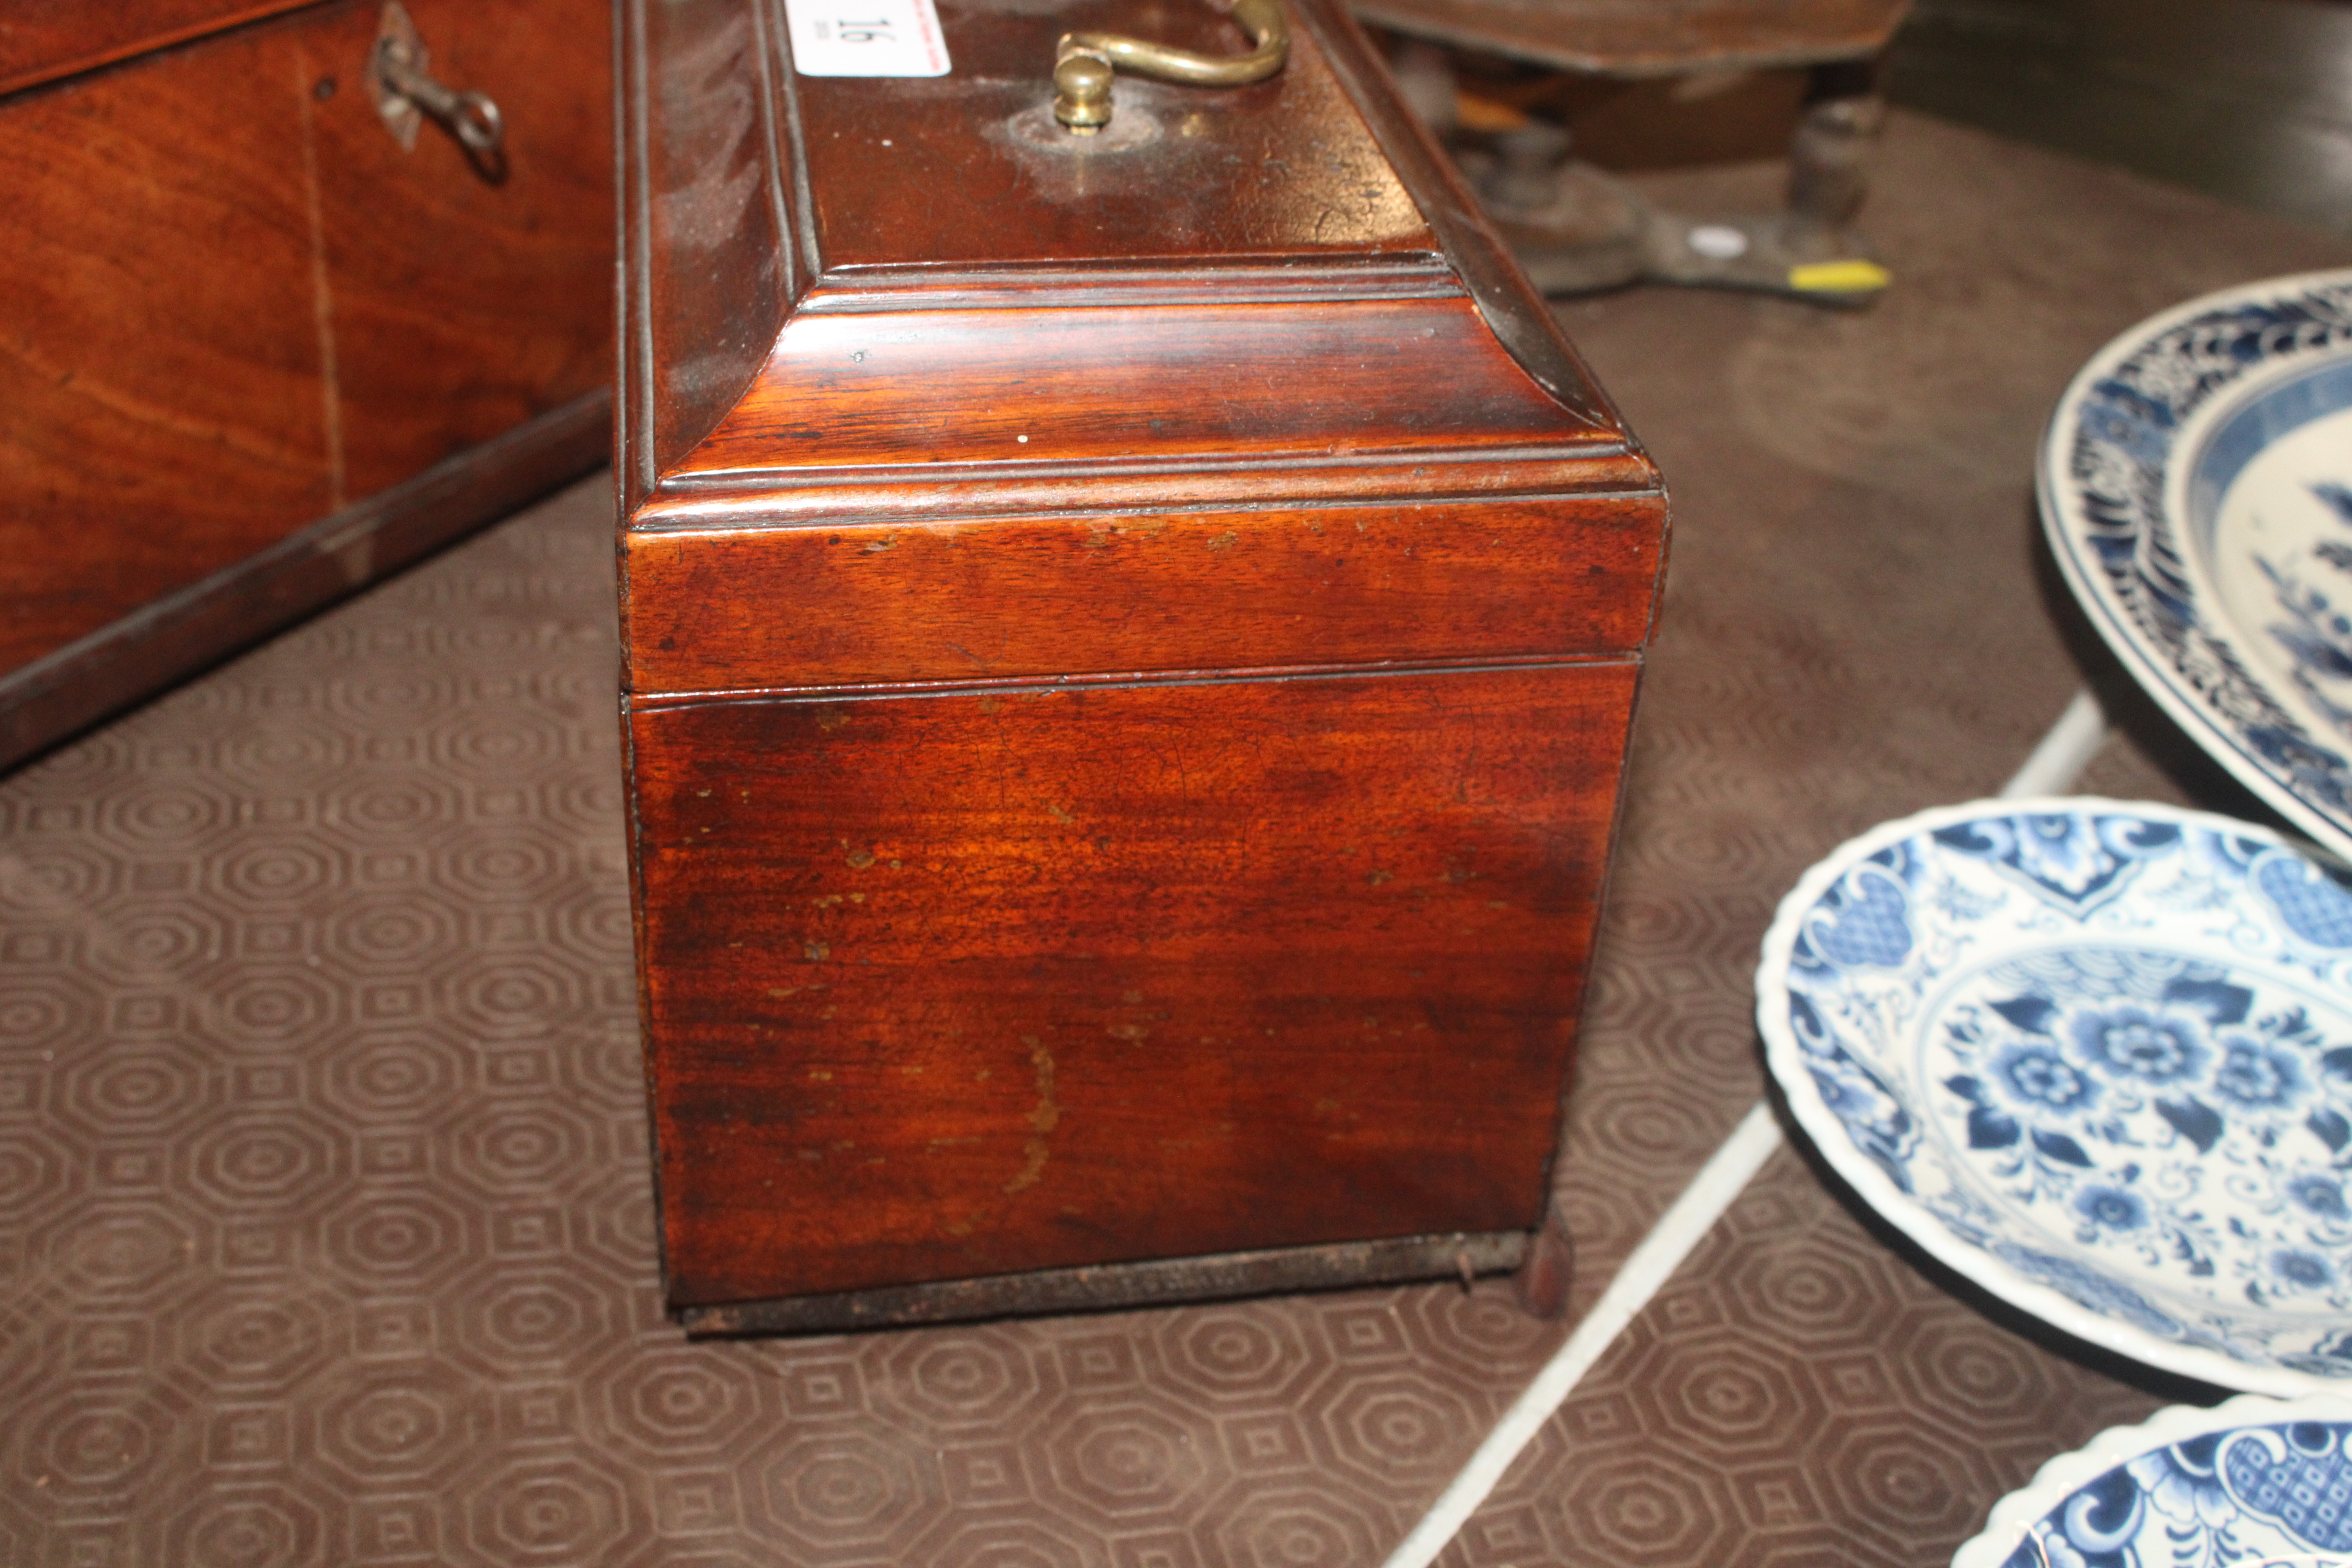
column 1084, row 63
column 400, row 78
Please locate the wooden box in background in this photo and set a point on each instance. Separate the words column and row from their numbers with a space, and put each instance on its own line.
column 1129, row 654
column 258, row 351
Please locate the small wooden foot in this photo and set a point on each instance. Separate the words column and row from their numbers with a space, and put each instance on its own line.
column 1543, row 1278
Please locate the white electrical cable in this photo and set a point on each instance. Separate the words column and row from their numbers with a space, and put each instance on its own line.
column 1719, row 1181
column 2063, row 753
column 2055, row 762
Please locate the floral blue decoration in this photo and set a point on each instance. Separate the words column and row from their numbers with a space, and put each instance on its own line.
column 2078, row 862
column 2167, row 411
column 2251, row 1483
column 2102, row 1051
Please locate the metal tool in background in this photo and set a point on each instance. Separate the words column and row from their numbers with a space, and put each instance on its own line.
column 1578, row 229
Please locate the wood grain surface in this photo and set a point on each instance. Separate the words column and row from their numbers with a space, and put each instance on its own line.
column 162, row 379
column 1282, row 271
column 1292, row 379
column 191, row 628
column 41, row 41
column 240, row 306
column 1286, row 168
column 713, row 257
column 1128, row 671
column 462, row 308
column 1162, row 592
column 1034, row 977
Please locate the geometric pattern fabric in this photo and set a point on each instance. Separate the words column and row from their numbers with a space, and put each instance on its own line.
column 325, row 1212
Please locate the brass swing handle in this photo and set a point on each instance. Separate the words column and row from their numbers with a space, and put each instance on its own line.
column 1084, row 63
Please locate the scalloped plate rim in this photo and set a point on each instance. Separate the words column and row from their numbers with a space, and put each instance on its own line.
column 2064, row 1474
column 1783, row 1058
column 2155, row 674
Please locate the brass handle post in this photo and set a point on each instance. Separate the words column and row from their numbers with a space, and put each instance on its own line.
column 1084, row 64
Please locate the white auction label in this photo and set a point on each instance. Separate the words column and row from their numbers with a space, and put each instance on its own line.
column 866, row 38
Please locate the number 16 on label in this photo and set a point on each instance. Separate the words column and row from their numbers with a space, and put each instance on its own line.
column 866, row 38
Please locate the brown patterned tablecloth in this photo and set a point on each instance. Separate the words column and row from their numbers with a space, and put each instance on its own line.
column 325, row 1229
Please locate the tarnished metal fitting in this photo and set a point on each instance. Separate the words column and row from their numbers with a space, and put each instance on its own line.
column 1082, row 99
column 1082, row 91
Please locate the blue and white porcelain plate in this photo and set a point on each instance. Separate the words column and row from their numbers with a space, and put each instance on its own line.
column 2196, row 485
column 2253, row 1483
column 2097, row 1057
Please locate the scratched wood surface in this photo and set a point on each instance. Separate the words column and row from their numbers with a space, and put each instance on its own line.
column 1225, row 179
column 976, row 983
column 1128, row 668
column 1301, row 378
column 1161, row 593
column 1333, row 277
column 238, row 306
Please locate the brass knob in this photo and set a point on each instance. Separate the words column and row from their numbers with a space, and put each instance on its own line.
column 1081, row 98
column 1082, row 92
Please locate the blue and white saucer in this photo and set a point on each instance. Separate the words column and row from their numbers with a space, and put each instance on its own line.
column 2097, row 1056
column 2196, row 485
column 2253, row 1483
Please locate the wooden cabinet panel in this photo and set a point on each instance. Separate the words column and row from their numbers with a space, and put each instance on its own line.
column 1126, row 682
column 160, row 403
column 1037, row 978
column 238, row 307
column 461, row 307
column 1091, row 594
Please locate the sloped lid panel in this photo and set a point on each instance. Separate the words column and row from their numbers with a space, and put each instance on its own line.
column 969, row 169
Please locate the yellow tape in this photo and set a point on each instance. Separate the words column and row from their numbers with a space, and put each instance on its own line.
column 1487, row 116
column 1839, row 276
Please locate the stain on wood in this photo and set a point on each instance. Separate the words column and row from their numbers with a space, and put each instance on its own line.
column 1127, row 685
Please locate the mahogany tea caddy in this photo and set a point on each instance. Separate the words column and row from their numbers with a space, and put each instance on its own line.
column 1129, row 646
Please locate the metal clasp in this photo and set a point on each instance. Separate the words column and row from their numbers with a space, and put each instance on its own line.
column 400, row 79
column 1084, row 64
